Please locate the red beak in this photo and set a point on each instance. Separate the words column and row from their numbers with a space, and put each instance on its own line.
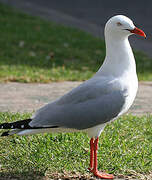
column 138, row 31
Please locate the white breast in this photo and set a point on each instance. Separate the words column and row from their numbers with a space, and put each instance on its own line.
column 131, row 84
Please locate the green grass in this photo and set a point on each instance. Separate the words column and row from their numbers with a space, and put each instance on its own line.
column 125, row 148
column 35, row 50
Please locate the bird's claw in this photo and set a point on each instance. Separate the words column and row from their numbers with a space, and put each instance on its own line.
column 101, row 175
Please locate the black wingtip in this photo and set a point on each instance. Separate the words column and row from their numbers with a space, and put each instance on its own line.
column 22, row 124
column 5, row 133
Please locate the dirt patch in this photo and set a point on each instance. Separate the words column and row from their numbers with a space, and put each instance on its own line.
column 22, row 97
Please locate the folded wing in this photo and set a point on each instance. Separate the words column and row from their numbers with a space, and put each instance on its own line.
column 88, row 105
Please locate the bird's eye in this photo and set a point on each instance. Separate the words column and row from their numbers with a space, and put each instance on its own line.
column 119, row 24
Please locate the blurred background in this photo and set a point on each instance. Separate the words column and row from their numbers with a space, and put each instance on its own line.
column 55, row 40
column 93, row 14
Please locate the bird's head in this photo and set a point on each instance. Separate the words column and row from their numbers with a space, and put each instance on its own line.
column 122, row 26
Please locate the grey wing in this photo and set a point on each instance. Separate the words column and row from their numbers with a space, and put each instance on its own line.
column 85, row 107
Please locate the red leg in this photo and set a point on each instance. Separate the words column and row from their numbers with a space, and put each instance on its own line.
column 91, row 153
column 95, row 170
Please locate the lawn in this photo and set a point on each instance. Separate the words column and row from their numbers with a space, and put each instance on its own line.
column 35, row 50
column 125, row 148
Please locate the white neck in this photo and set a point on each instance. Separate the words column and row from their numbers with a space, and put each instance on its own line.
column 119, row 58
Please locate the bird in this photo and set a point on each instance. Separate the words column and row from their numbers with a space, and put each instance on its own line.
column 95, row 102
